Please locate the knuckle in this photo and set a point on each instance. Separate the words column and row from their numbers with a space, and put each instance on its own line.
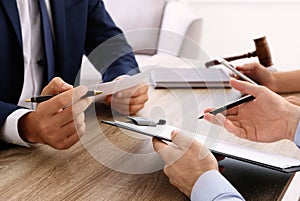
column 63, row 100
column 57, row 80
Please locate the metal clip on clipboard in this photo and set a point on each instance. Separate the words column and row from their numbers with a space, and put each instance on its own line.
column 142, row 121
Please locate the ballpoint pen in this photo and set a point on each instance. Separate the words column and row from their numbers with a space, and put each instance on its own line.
column 39, row 99
column 231, row 105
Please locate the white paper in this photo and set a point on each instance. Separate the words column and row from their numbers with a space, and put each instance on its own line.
column 113, row 87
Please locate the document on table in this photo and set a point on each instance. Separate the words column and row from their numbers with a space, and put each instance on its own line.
column 230, row 150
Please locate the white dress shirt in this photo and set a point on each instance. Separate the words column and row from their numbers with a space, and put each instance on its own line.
column 31, row 29
column 213, row 186
column 297, row 135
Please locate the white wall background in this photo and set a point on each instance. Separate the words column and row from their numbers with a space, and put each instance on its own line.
column 231, row 25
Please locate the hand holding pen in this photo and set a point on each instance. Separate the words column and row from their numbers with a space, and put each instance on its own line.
column 268, row 118
column 60, row 121
column 239, row 101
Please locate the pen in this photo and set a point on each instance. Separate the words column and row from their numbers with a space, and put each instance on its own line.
column 231, row 105
column 39, row 99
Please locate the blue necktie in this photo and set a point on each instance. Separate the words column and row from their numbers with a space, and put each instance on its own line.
column 48, row 41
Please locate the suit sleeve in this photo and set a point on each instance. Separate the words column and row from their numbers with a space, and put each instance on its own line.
column 6, row 109
column 106, row 46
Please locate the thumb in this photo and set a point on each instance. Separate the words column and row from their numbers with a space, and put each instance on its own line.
column 158, row 145
column 181, row 140
column 246, row 87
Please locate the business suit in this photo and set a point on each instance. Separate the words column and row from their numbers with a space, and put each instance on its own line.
column 79, row 27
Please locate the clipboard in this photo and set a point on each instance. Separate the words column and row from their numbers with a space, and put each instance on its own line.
column 238, row 152
column 158, row 131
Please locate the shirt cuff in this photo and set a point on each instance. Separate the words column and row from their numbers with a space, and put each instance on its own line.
column 213, row 186
column 9, row 130
column 297, row 135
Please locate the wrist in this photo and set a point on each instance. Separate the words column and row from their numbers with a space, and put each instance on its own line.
column 273, row 83
column 26, row 128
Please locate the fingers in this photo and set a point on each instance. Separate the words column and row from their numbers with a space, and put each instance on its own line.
column 228, row 123
column 247, row 67
column 73, row 125
column 188, row 144
column 129, row 101
column 246, row 87
column 63, row 100
column 133, row 92
column 80, row 106
column 69, row 114
column 135, row 95
column 127, row 109
column 207, row 110
column 218, row 119
column 56, row 85
column 231, row 111
column 168, row 153
column 66, row 142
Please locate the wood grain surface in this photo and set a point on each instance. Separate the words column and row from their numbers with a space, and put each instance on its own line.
column 112, row 164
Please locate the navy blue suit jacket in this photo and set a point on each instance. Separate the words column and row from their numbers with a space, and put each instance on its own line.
column 79, row 27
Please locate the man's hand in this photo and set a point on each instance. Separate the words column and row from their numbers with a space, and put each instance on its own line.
column 58, row 122
column 129, row 101
column 268, row 118
column 186, row 162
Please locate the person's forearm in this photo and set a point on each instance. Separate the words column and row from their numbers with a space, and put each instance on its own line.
column 287, row 82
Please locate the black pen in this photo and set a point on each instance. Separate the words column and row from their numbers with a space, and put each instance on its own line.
column 39, row 99
column 231, row 105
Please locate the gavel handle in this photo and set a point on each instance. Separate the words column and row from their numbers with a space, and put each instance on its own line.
column 247, row 55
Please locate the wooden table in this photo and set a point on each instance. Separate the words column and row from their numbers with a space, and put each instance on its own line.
column 112, row 164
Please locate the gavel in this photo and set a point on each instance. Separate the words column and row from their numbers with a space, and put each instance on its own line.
column 262, row 52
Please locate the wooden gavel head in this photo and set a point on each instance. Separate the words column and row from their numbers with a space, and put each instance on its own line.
column 263, row 51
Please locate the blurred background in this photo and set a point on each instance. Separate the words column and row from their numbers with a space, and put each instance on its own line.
column 229, row 27
column 221, row 28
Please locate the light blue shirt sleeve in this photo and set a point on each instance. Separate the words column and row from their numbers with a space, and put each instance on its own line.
column 297, row 135
column 213, row 186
